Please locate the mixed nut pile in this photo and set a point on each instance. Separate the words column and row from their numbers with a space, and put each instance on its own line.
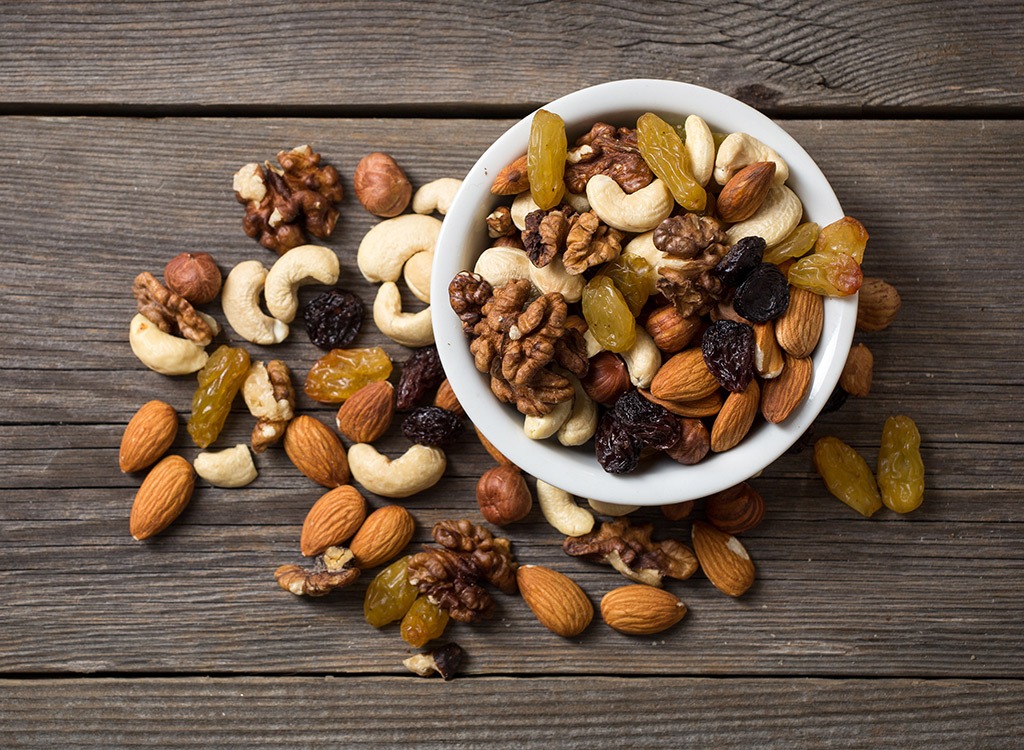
column 622, row 223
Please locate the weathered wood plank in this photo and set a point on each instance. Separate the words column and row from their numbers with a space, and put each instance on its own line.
column 781, row 55
column 538, row 713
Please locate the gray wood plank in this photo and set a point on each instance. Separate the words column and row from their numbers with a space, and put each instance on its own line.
column 833, row 56
column 538, row 713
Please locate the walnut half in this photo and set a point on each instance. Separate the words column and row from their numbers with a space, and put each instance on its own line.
column 630, row 550
column 330, row 571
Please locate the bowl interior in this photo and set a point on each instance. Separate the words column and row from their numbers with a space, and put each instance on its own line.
column 576, row 470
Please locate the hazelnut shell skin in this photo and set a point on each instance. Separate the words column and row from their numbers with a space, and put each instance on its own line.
column 381, row 185
column 503, row 496
column 194, row 276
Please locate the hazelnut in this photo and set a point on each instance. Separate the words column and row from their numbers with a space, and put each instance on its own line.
column 503, row 496
column 381, row 185
column 670, row 330
column 677, row 511
column 694, row 442
column 607, row 378
column 194, row 276
column 735, row 510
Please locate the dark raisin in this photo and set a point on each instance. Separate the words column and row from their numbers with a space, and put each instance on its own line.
column 835, row 401
column 616, row 450
column 728, row 349
column 333, row 319
column 742, row 258
column 763, row 295
column 421, row 374
column 651, row 424
column 432, row 425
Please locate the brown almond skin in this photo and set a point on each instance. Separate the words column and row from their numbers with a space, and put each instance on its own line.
column 858, row 372
column 798, row 329
column 744, row 193
column 512, row 179
column 445, row 398
column 641, row 610
column 164, row 494
column 708, row 406
column 723, row 559
column 384, row 534
column 381, row 185
column 768, row 359
column 734, row 420
column 366, row 414
column 878, row 304
column 684, row 377
column 149, row 434
column 735, row 510
column 332, row 520
column 503, row 495
column 316, row 452
column 783, row 394
column 555, row 599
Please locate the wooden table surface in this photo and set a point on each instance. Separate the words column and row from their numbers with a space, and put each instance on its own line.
column 122, row 123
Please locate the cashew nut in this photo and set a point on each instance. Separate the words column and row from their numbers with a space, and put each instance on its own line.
column 417, row 274
column 643, row 359
column 578, row 201
column 500, row 265
column 593, row 345
column 162, row 352
column 232, row 467
column 636, row 212
column 240, row 299
column 387, row 246
column 306, row 264
column 407, row 329
column 562, row 512
column 554, row 278
column 774, row 220
column 612, row 509
column 436, row 196
column 521, row 206
column 417, row 469
column 582, row 421
column 739, row 150
column 540, row 428
column 700, row 147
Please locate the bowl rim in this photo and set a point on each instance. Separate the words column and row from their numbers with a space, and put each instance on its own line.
column 666, row 482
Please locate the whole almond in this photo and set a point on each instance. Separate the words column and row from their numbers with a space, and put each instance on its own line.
column 316, row 452
column 745, row 191
column 512, row 179
column 148, row 436
column 684, row 377
column 381, row 185
column 783, row 394
column 384, row 534
column 734, row 420
column 641, row 610
column 491, row 450
column 558, row 603
column 366, row 414
column 162, row 497
column 878, row 304
column 723, row 559
column 708, row 406
column 858, row 371
column 332, row 520
column 670, row 330
column 693, row 444
column 798, row 329
column 768, row 359
column 446, row 399
column 735, row 510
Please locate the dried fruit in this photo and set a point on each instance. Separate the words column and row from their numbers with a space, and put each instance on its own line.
column 796, row 244
column 367, row 414
column 616, row 449
column 545, row 159
column 650, row 424
column 149, row 434
column 781, row 395
column 162, row 497
column 333, row 319
column 555, row 599
column 503, row 496
column 432, row 425
column 763, row 295
column 421, row 374
column 847, row 236
column 631, row 275
column 316, row 452
column 194, row 276
column 723, row 558
column 341, row 372
column 728, row 351
column 735, row 510
column 847, row 475
column 900, row 468
column 384, row 534
column 878, row 304
column 740, row 260
column 389, row 595
column 219, row 382
column 663, row 150
column 332, row 520
column 608, row 316
column 641, row 610
column 423, row 622
column 857, row 373
column 828, row 274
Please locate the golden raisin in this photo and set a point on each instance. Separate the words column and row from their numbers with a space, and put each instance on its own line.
column 389, row 595
column 663, row 150
column 341, row 372
column 632, row 276
column 545, row 159
column 795, row 245
column 847, row 236
column 828, row 273
column 607, row 314
column 423, row 622
column 847, row 475
column 219, row 381
column 900, row 468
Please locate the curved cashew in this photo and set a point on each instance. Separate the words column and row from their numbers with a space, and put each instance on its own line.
column 562, row 512
column 593, row 345
column 436, row 196
column 643, row 359
column 578, row 201
column 387, row 246
column 636, row 212
column 500, row 265
column 540, row 428
column 417, row 274
column 700, row 147
column 774, row 220
column 612, row 509
column 407, row 329
column 162, row 352
column 582, row 421
column 417, row 469
column 739, row 150
column 232, row 467
column 521, row 206
column 240, row 299
column 306, row 264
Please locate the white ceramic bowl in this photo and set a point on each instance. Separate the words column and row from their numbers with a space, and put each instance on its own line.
column 463, row 237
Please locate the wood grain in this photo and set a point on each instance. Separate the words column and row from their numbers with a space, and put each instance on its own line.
column 341, row 58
